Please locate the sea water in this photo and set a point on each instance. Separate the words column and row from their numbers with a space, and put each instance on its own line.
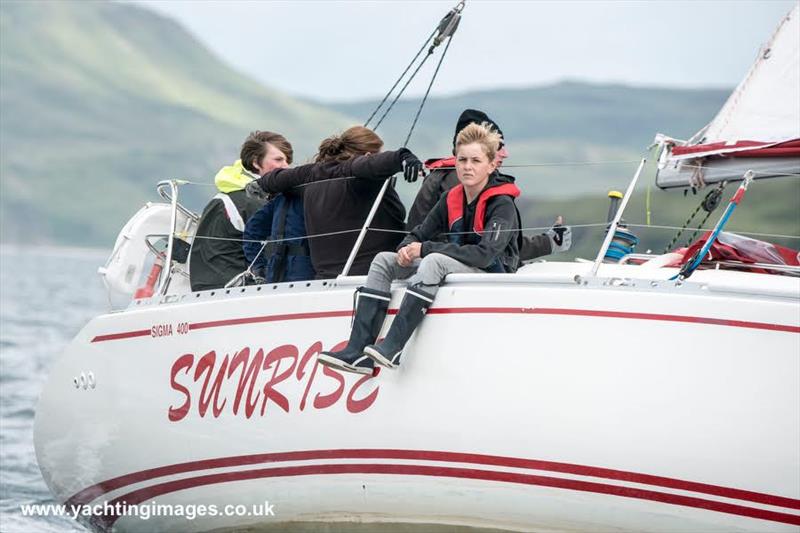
column 46, row 296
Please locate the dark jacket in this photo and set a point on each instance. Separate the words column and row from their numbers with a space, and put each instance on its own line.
column 214, row 262
column 341, row 205
column 289, row 260
column 497, row 245
column 441, row 179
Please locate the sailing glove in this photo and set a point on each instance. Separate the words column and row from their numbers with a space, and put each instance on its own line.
column 412, row 167
column 560, row 238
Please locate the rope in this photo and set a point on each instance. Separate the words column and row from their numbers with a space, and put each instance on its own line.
column 405, row 86
column 572, row 163
column 341, row 178
column 249, row 272
column 525, row 165
column 775, row 235
column 427, row 91
column 400, row 78
column 329, row 234
column 755, row 173
column 682, row 228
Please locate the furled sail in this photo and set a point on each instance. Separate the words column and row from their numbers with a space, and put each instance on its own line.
column 758, row 128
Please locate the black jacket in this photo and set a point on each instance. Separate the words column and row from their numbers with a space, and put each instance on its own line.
column 213, row 263
column 499, row 241
column 341, row 205
column 442, row 179
column 438, row 182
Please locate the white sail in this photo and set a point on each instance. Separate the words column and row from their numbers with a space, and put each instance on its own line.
column 757, row 128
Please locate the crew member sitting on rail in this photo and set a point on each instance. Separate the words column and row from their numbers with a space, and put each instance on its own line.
column 443, row 177
column 217, row 255
column 338, row 191
column 481, row 223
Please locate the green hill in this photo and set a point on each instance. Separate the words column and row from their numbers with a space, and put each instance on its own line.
column 549, row 128
column 101, row 100
column 561, row 123
column 769, row 207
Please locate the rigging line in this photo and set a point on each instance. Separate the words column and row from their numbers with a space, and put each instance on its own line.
column 777, row 235
column 260, row 251
column 572, row 163
column 776, row 175
column 405, row 86
column 187, row 182
column 446, row 28
column 539, row 228
column 757, row 172
column 428, row 90
column 374, row 112
column 329, row 234
column 566, row 164
column 504, row 166
column 525, row 165
column 383, row 230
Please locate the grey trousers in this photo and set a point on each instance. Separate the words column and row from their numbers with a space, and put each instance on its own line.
column 429, row 272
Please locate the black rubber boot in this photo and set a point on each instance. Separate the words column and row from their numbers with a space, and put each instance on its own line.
column 415, row 303
column 369, row 313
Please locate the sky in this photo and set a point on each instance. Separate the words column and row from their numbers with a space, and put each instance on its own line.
column 346, row 50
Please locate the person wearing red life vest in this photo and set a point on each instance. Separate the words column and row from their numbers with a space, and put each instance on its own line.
column 480, row 221
column 442, row 178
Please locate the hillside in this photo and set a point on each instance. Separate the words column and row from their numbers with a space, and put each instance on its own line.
column 92, row 119
column 769, row 207
column 560, row 123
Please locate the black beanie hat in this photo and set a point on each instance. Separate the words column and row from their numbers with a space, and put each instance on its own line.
column 473, row 116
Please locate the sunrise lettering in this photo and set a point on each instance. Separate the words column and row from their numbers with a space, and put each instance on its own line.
column 256, row 382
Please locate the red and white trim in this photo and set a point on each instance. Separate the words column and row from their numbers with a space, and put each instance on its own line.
column 789, row 148
column 597, row 313
column 138, row 487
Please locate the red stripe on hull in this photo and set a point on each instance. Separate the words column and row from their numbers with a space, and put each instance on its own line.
column 95, row 491
column 142, row 495
column 268, row 318
column 123, row 335
column 477, row 310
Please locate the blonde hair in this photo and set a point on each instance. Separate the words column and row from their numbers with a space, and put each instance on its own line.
column 355, row 141
column 482, row 134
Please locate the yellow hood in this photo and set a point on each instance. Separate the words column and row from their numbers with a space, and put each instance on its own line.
column 233, row 178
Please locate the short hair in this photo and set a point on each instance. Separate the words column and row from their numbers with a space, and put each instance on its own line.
column 254, row 148
column 482, row 134
column 353, row 142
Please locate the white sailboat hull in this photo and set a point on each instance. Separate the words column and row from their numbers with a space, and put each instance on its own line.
column 528, row 402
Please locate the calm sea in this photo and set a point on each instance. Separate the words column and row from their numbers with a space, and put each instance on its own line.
column 46, row 296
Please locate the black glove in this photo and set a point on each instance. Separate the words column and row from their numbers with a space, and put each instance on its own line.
column 412, row 167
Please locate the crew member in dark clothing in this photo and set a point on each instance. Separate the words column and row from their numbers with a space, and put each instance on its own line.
column 287, row 258
column 442, row 178
column 480, row 219
column 216, row 255
column 339, row 190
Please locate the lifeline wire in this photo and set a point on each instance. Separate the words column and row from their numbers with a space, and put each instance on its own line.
column 386, row 230
column 776, row 235
column 525, row 165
